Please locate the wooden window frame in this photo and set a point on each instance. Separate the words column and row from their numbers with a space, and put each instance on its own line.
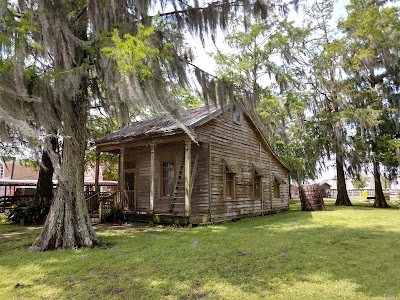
column 162, row 196
column 257, row 173
column 228, row 173
column 236, row 115
column 126, row 163
column 276, row 186
column 257, row 179
column 276, row 189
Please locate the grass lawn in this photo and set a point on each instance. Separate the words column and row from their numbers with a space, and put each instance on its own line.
column 341, row 253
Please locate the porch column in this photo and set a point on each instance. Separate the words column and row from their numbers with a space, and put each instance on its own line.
column 152, row 177
column 96, row 174
column 270, row 184
column 122, row 176
column 188, row 160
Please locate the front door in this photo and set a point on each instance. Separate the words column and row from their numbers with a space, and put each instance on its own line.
column 129, row 203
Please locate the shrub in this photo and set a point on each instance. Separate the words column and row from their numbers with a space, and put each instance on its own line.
column 28, row 212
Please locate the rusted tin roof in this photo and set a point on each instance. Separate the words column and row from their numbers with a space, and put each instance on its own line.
column 162, row 125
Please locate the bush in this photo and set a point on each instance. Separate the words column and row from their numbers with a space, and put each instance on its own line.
column 28, row 212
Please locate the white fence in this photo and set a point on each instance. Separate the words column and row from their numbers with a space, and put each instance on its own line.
column 394, row 194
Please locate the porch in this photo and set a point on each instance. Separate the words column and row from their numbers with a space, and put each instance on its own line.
column 104, row 206
column 156, row 181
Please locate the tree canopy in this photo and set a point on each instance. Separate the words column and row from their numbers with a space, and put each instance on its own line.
column 59, row 58
column 326, row 88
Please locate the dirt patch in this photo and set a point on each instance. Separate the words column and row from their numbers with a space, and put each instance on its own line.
column 18, row 232
column 98, row 228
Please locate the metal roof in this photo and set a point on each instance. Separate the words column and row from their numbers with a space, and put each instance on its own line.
column 162, row 125
column 166, row 125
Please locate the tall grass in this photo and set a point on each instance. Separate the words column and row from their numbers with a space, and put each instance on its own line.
column 340, row 253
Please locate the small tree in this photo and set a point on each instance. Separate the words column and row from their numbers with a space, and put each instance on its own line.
column 360, row 183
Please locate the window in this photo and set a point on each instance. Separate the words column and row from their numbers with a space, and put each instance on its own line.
column 276, row 185
column 257, row 183
column 229, row 185
column 257, row 187
column 230, row 170
column 1, row 170
column 236, row 115
column 167, row 179
column 276, row 189
column 130, row 165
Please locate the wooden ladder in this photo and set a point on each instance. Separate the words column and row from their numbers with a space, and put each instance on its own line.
column 179, row 185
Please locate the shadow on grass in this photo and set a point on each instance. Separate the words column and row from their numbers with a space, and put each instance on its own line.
column 340, row 253
column 362, row 203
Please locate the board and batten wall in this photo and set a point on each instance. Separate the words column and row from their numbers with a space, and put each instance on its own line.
column 220, row 140
column 172, row 151
column 242, row 144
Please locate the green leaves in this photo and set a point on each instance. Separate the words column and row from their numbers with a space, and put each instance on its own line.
column 134, row 53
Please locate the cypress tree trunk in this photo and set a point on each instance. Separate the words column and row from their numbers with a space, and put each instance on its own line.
column 379, row 197
column 342, row 197
column 68, row 223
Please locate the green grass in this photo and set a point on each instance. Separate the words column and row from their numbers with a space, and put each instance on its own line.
column 340, row 253
column 5, row 227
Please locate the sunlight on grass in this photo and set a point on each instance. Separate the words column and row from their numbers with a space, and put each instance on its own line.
column 340, row 253
column 5, row 227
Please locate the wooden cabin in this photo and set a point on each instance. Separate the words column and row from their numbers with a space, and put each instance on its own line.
column 223, row 170
column 325, row 189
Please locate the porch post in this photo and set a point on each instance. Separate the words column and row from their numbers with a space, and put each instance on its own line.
column 121, row 176
column 152, row 177
column 188, row 159
column 97, row 170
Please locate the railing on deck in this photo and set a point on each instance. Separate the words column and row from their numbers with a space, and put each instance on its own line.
column 107, row 205
column 92, row 201
column 103, row 203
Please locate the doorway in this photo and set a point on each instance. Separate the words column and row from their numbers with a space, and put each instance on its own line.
column 129, row 191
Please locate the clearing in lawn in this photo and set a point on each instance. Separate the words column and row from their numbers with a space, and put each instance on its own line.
column 341, row 253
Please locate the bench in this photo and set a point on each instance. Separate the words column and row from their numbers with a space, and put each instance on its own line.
column 371, row 198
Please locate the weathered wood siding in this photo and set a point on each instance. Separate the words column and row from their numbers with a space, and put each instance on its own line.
column 173, row 151
column 242, row 144
column 221, row 139
column 141, row 155
column 200, row 192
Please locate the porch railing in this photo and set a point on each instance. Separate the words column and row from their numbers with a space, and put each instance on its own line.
column 104, row 203
column 92, row 201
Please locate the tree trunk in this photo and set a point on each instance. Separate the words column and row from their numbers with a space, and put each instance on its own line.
column 44, row 190
column 68, row 223
column 379, row 197
column 342, row 197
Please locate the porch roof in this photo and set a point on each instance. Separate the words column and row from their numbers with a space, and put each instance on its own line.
column 163, row 125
